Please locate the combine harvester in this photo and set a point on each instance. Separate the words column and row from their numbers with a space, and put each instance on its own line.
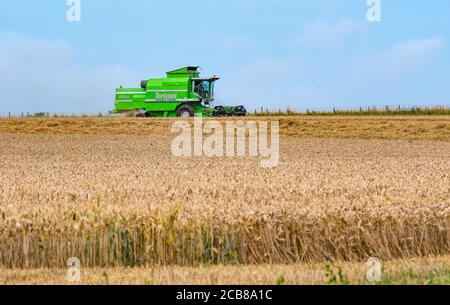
column 183, row 93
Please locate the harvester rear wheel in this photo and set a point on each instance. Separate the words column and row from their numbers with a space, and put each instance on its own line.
column 186, row 111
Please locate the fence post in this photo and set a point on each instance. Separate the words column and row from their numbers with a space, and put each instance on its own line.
column 22, row 114
column 9, row 115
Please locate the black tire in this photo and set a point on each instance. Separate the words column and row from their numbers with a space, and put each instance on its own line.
column 185, row 111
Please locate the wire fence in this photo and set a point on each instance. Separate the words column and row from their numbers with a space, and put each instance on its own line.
column 28, row 114
column 372, row 110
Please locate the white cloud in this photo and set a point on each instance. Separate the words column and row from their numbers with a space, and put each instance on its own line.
column 16, row 50
column 232, row 42
column 262, row 82
column 418, row 48
column 43, row 75
column 268, row 69
column 404, row 57
column 392, row 76
column 319, row 33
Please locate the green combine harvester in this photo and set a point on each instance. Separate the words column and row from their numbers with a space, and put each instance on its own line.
column 183, row 93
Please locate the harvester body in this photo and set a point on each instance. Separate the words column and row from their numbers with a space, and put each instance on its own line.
column 183, row 93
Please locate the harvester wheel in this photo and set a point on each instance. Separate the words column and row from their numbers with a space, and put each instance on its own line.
column 186, row 111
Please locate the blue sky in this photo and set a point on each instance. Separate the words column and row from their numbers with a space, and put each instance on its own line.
column 272, row 54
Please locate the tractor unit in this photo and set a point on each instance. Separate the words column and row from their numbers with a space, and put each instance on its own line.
column 183, row 93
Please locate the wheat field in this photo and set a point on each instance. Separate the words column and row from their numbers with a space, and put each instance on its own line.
column 109, row 192
column 435, row 128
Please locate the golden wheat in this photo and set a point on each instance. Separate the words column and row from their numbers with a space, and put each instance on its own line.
column 399, row 128
column 124, row 200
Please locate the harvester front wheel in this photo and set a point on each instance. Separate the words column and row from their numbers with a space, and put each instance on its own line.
column 186, row 111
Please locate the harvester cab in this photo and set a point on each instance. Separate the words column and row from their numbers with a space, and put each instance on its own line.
column 183, row 93
column 204, row 88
